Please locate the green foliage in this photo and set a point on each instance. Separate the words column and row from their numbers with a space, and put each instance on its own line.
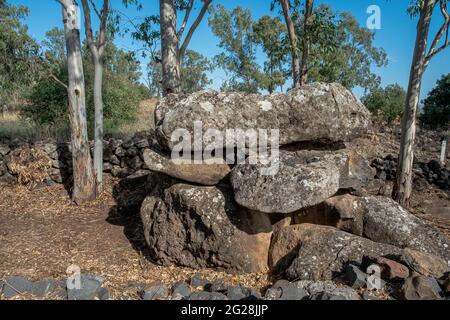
column 235, row 32
column 121, row 91
column 342, row 50
column 18, row 52
column 270, row 34
column 194, row 70
column 194, row 74
column 436, row 109
column 387, row 104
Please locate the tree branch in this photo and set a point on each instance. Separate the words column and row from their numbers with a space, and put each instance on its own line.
column 194, row 27
column 88, row 27
column 444, row 28
column 95, row 9
column 58, row 81
column 186, row 18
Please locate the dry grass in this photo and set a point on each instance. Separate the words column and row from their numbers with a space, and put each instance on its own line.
column 13, row 126
column 42, row 233
column 30, row 165
column 144, row 119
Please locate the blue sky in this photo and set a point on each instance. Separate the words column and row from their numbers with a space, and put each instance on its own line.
column 397, row 34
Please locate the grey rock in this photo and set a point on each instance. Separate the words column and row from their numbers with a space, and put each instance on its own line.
column 317, row 288
column 314, row 111
column 386, row 221
column 4, row 150
column 181, row 288
column 203, row 295
column 418, row 287
column 89, row 289
column 14, row 286
column 242, row 293
column 304, row 179
column 293, row 293
column 41, row 288
column 202, row 227
column 198, row 281
column 322, row 251
column 204, row 174
column 367, row 295
column 273, row 294
column 155, row 292
column 217, row 286
column 103, row 294
column 355, row 277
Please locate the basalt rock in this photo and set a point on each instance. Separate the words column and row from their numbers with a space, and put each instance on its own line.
column 387, row 222
column 314, row 111
column 321, row 252
column 203, row 227
column 302, row 179
column 204, row 174
column 379, row 219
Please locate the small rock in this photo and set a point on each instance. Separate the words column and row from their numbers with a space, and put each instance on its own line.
column 273, row 294
column 217, row 286
column 4, row 150
column 355, row 277
column 181, row 288
column 14, row 286
column 293, row 293
column 367, row 295
column 203, row 295
column 424, row 264
column 156, row 292
column 391, row 270
column 198, row 281
column 242, row 293
column 103, row 294
column 41, row 288
column 418, row 287
column 89, row 289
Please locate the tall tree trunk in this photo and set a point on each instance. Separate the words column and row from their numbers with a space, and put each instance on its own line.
column 97, row 49
column 296, row 73
column 171, row 64
column 309, row 6
column 403, row 185
column 98, row 130
column 84, row 185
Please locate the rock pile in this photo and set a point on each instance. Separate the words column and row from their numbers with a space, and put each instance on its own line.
column 307, row 220
column 431, row 172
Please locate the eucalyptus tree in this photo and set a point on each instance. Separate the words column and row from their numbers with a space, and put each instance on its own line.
column 83, row 178
column 422, row 56
column 97, row 49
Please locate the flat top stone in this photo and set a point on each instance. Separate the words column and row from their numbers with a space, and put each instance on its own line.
column 314, row 111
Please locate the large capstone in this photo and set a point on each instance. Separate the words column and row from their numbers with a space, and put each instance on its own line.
column 312, row 112
column 203, row 227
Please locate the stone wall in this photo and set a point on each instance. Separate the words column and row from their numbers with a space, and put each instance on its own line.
column 122, row 158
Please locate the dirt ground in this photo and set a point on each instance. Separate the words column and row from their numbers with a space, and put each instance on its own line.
column 42, row 233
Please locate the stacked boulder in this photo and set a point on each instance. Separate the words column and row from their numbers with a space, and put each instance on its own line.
column 305, row 221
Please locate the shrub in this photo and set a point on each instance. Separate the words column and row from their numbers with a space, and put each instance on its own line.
column 387, row 104
column 436, row 109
